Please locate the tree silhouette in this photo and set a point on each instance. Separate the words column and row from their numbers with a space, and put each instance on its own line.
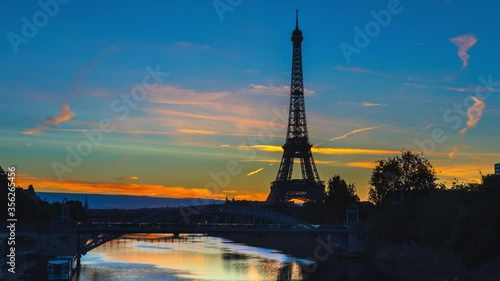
column 339, row 196
column 396, row 177
column 338, row 191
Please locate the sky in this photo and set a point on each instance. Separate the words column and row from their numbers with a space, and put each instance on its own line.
column 189, row 98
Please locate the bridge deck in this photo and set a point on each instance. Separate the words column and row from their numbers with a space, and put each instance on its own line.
column 125, row 228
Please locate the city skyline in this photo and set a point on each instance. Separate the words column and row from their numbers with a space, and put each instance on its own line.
column 191, row 99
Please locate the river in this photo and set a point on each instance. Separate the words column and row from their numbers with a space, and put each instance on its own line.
column 195, row 257
column 148, row 257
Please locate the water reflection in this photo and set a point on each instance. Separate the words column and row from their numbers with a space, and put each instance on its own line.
column 201, row 258
column 162, row 257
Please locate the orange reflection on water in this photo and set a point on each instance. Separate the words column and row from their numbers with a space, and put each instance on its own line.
column 199, row 257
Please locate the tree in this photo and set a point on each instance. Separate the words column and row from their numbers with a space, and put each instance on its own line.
column 397, row 177
column 339, row 196
column 491, row 181
column 338, row 191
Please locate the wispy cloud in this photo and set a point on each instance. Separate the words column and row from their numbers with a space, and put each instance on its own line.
column 64, row 115
column 127, row 178
column 126, row 188
column 468, row 89
column 261, row 160
column 357, row 69
column 358, row 131
column 371, row 104
column 189, row 112
column 362, row 164
column 464, row 43
column 196, row 132
column 474, row 114
column 453, row 152
column 192, row 45
column 255, row 172
column 327, row 150
column 282, row 90
column 364, row 104
column 415, row 85
column 121, row 160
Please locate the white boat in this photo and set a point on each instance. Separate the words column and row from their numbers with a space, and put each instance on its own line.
column 58, row 269
column 73, row 261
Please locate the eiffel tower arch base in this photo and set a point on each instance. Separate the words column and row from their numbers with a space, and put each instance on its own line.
column 307, row 191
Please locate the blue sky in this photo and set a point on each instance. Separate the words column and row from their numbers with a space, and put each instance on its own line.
column 228, row 65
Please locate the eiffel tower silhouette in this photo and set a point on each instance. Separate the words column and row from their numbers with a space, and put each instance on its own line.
column 310, row 188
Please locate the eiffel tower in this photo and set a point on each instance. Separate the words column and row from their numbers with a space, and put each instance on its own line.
column 310, row 188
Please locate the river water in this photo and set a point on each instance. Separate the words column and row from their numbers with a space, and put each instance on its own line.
column 148, row 257
column 163, row 257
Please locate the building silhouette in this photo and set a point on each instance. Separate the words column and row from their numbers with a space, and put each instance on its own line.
column 497, row 169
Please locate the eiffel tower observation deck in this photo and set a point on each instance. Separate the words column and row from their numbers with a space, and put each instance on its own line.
column 309, row 188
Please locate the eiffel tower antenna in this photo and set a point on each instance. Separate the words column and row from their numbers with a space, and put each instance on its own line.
column 297, row 19
column 310, row 188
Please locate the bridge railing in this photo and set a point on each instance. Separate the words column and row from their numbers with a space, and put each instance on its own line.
column 117, row 226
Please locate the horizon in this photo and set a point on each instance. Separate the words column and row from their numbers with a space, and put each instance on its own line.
column 210, row 121
column 101, row 201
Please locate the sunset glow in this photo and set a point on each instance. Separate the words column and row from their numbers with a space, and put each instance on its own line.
column 169, row 99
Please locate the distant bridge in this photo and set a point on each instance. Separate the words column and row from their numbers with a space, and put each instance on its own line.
column 212, row 219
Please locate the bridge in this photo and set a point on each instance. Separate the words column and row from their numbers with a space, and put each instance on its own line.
column 254, row 225
column 215, row 219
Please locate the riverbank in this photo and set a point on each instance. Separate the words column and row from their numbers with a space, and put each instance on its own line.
column 414, row 262
column 398, row 261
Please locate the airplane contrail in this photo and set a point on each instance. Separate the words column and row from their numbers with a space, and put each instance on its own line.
column 358, row 131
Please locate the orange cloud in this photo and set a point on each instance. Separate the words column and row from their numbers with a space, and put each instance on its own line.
column 240, row 121
column 464, row 43
column 467, row 172
column 196, row 132
column 453, row 152
column 323, row 162
column 136, row 189
column 255, row 172
column 128, row 178
column 327, row 150
column 362, row 164
column 474, row 113
column 262, row 160
column 64, row 115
